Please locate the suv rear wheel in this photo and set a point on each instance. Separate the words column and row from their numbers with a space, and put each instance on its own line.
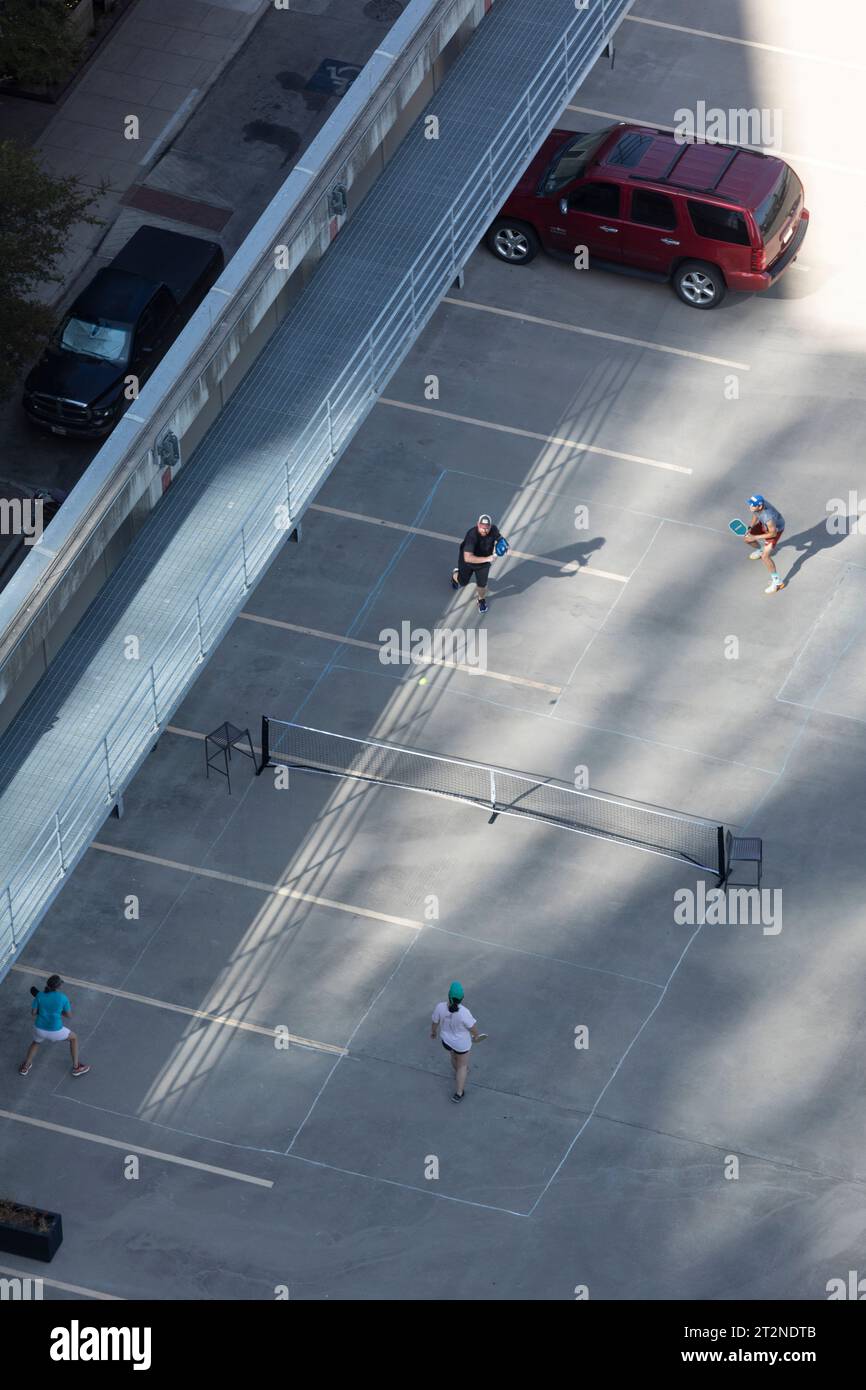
column 699, row 284
column 514, row 242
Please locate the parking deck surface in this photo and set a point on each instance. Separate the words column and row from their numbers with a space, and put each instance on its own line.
column 252, row 975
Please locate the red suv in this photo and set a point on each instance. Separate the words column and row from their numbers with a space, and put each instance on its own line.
column 708, row 217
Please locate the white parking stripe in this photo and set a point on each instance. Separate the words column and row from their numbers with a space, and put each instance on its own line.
column 419, row 661
column 577, row 445
column 131, row 1148
column 779, row 154
column 225, row 1019
column 749, row 43
column 596, row 333
column 59, row 1284
column 276, row 889
column 571, row 567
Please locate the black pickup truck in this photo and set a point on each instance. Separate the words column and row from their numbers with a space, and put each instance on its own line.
column 119, row 327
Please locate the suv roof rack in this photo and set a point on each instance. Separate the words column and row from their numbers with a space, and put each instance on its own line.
column 687, row 187
column 664, row 175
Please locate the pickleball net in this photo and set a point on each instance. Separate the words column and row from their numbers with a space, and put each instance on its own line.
column 499, row 790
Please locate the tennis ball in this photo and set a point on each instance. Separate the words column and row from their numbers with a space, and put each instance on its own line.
column 422, row 680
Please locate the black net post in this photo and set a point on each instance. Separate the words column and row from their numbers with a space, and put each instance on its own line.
column 722, row 867
column 266, row 750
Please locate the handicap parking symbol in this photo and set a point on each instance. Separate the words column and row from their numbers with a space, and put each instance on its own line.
column 333, row 76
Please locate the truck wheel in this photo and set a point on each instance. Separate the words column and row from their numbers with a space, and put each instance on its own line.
column 513, row 242
column 699, row 284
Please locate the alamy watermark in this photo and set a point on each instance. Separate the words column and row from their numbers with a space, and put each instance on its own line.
column 26, row 1290
column 852, row 1288
column 739, row 125
column 77, row 1343
column 441, row 646
column 847, row 517
column 731, row 907
column 22, row 517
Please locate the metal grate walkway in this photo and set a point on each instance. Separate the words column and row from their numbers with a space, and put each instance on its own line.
column 91, row 684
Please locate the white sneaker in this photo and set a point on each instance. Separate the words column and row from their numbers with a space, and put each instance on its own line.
column 755, row 555
column 774, row 586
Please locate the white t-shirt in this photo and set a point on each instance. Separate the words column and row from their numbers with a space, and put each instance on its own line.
column 455, row 1027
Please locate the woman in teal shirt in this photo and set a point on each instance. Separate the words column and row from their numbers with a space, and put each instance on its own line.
column 50, row 1007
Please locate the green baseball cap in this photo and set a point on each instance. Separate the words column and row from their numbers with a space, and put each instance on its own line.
column 455, row 992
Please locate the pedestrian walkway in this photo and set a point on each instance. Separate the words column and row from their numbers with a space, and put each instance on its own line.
column 157, row 65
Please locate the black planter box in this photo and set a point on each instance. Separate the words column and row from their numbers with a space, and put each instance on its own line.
column 30, row 1244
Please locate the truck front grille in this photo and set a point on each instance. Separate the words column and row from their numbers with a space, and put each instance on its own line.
column 51, row 409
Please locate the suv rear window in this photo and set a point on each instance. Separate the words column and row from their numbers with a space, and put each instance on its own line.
column 653, row 209
column 773, row 211
column 719, row 224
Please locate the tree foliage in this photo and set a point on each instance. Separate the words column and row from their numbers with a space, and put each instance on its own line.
column 37, row 213
column 37, row 45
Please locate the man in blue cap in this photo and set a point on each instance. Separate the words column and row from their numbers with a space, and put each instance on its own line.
column 763, row 536
column 480, row 545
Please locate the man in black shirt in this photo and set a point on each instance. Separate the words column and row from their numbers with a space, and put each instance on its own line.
column 474, row 556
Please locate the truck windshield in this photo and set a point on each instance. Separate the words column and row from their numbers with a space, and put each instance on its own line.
column 109, row 342
column 571, row 161
column 778, row 204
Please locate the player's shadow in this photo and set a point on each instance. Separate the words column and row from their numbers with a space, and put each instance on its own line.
column 528, row 572
column 809, row 543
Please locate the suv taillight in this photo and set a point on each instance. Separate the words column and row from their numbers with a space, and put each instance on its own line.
column 759, row 258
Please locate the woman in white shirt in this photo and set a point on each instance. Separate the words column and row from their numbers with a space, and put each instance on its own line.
column 458, row 1032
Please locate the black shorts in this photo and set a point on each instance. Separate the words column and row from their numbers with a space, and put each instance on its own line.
column 466, row 573
column 453, row 1049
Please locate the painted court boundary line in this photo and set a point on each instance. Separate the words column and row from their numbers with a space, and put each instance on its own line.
column 133, row 1148
column 408, row 1187
column 810, row 710
column 225, row 1019
column 610, row 1080
column 373, row 593
column 346, row 907
column 813, row 709
column 562, row 443
column 571, row 498
column 597, row 333
column 581, row 724
column 603, row 623
column 814, row 631
column 415, row 661
column 570, row 567
column 389, row 1182
column 275, row 890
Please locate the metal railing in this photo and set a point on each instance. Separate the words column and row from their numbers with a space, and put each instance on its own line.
column 117, row 756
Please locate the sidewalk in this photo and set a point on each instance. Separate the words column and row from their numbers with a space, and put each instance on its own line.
column 158, row 64
column 217, row 165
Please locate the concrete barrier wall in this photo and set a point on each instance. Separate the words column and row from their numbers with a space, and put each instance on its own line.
column 49, row 593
